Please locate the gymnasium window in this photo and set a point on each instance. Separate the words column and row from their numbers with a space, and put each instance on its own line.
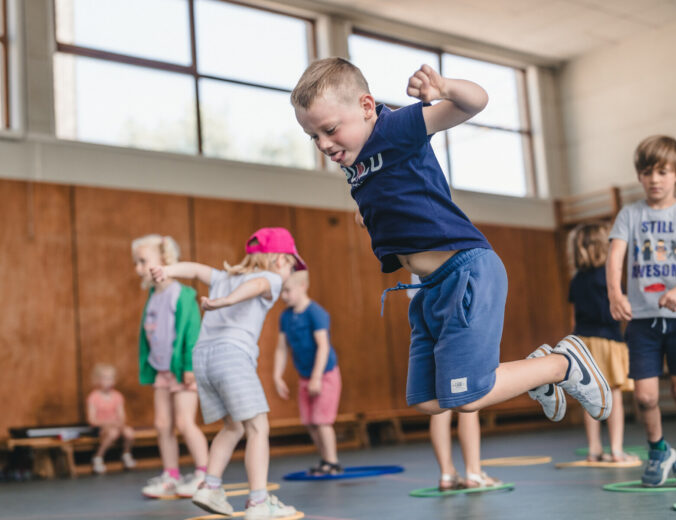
column 187, row 76
column 4, row 68
column 490, row 153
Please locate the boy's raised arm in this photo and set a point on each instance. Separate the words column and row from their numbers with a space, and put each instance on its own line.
column 460, row 99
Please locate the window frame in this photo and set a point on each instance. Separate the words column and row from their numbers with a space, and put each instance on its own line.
column 4, row 56
column 192, row 69
column 526, row 127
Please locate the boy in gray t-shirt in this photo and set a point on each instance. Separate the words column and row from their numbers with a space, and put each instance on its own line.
column 646, row 232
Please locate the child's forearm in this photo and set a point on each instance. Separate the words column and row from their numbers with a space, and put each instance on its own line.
column 190, row 270
column 246, row 291
column 614, row 268
column 281, row 355
column 322, row 354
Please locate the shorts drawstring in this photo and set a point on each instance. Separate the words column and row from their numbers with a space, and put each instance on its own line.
column 654, row 324
column 400, row 286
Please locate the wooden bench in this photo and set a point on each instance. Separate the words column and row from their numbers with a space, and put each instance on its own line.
column 53, row 456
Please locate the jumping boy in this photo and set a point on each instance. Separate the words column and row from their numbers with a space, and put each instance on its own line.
column 457, row 316
column 650, row 303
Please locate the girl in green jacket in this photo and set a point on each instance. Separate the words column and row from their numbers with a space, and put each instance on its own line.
column 169, row 330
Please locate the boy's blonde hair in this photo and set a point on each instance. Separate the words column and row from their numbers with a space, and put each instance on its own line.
column 588, row 245
column 656, row 150
column 167, row 246
column 100, row 369
column 335, row 74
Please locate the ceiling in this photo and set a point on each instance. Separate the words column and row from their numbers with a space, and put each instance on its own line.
column 553, row 29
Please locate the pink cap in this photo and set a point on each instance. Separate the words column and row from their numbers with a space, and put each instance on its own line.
column 275, row 240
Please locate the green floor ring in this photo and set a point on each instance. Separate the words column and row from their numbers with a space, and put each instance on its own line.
column 641, row 451
column 634, row 486
column 434, row 491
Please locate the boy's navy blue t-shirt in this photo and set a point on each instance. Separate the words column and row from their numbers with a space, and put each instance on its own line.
column 589, row 295
column 402, row 193
column 299, row 329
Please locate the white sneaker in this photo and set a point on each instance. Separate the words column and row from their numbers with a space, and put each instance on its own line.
column 585, row 381
column 212, row 500
column 163, row 486
column 128, row 461
column 270, row 508
column 189, row 483
column 98, row 466
column 549, row 395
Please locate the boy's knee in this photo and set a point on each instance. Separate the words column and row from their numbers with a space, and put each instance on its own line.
column 647, row 401
column 467, row 408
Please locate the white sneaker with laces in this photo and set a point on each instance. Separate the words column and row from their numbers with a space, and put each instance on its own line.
column 128, row 461
column 585, row 381
column 549, row 395
column 212, row 500
column 270, row 508
column 98, row 466
column 163, row 486
column 189, row 483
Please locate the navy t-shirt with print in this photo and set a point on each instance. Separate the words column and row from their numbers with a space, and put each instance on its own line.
column 402, row 193
column 299, row 329
column 589, row 295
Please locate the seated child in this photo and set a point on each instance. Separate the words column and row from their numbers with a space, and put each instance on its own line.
column 304, row 329
column 105, row 409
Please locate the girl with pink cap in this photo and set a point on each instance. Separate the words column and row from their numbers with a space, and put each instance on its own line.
column 225, row 358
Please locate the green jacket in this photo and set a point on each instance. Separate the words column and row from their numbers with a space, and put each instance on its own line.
column 187, row 330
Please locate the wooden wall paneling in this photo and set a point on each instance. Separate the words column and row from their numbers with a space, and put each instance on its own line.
column 111, row 299
column 221, row 230
column 39, row 384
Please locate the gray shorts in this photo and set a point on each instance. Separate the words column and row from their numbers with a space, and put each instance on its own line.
column 227, row 383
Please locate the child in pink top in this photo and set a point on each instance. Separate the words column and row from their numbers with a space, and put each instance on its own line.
column 105, row 409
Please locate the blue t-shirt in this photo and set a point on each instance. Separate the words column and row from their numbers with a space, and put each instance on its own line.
column 299, row 329
column 589, row 295
column 403, row 194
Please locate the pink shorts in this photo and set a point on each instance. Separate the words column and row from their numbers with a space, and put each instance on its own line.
column 323, row 408
column 167, row 379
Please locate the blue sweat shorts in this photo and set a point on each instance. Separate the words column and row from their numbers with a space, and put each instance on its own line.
column 456, row 326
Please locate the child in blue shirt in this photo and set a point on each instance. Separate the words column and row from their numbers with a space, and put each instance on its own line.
column 457, row 316
column 304, row 329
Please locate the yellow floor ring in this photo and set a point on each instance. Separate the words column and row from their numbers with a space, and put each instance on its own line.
column 240, row 514
column 526, row 460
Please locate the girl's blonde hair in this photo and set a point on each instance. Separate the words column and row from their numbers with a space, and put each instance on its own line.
column 257, row 262
column 100, row 369
column 167, row 246
column 588, row 245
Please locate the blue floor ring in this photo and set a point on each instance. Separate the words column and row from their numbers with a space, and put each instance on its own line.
column 351, row 472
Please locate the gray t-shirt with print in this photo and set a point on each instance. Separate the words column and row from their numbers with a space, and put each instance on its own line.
column 239, row 325
column 650, row 235
column 160, row 325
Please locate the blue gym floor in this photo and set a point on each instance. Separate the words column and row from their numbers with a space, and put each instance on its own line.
column 541, row 493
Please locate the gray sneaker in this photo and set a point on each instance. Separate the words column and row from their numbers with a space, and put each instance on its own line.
column 212, row 500
column 585, row 381
column 549, row 395
column 270, row 508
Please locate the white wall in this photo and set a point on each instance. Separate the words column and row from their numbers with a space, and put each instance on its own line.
column 611, row 100
column 33, row 153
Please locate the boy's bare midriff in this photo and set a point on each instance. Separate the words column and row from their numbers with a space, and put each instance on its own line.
column 425, row 262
